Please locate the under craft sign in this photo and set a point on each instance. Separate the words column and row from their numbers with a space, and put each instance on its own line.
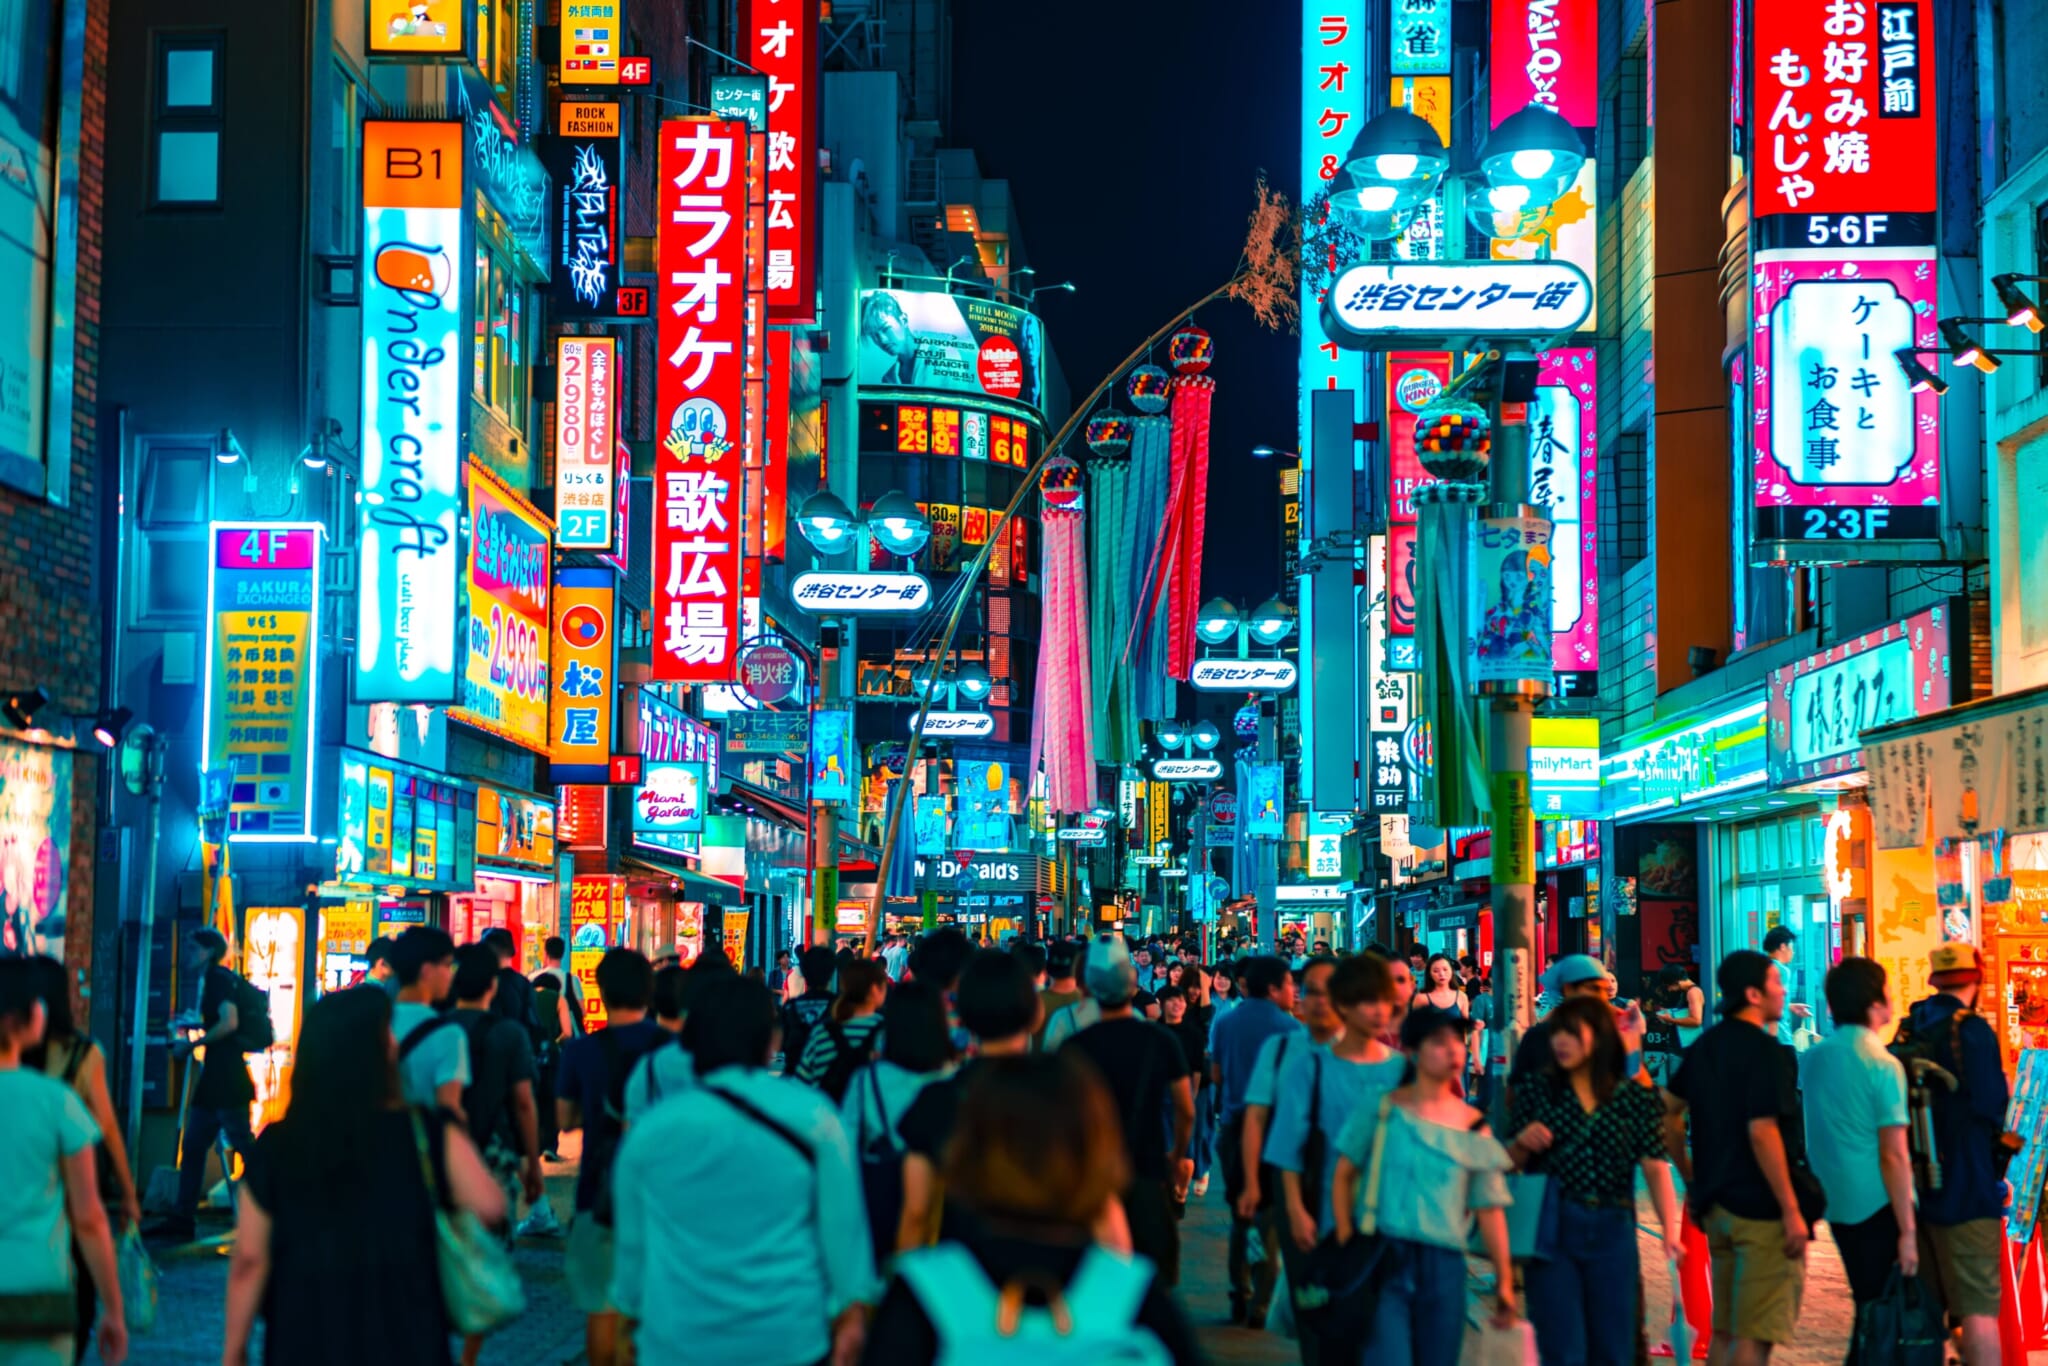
column 1381, row 303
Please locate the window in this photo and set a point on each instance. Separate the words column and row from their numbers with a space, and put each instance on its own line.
column 497, row 50
column 500, row 331
column 169, row 567
column 188, row 120
column 344, row 163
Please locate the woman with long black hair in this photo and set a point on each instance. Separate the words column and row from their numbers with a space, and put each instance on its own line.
column 341, row 1195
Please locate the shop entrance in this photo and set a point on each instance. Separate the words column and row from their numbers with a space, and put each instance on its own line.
column 1775, row 879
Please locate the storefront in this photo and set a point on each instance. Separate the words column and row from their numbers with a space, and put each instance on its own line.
column 406, row 841
column 984, row 895
column 515, row 879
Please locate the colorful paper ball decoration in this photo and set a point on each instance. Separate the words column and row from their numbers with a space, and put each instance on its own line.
column 1060, row 485
column 1150, row 389
column 1453, row 441
column 1191, row 350
column 1109, row 434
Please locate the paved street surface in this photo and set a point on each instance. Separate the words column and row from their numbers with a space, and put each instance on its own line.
column 551, row 1333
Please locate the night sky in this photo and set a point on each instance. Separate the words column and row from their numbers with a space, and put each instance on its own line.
column 1131, row 132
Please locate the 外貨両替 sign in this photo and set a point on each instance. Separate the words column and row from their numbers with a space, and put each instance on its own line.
column 1186, row 770
column 955, row 725
column 831, row 591
column 1383, row 304
column 1242, row 675
column 591, row 42
column 262, row 674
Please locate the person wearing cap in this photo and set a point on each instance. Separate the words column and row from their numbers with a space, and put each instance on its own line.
column 1148, row 1075
column 1962, row 1222
column 1439, row 1167
column 1572, row 976
column 1747, row 1183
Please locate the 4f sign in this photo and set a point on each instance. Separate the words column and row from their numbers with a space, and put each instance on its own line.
column 1242, row 675
column 1186, row 770
column 1436, row 304
column 956, row 725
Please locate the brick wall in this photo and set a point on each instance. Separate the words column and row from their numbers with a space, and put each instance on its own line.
column 49, row 580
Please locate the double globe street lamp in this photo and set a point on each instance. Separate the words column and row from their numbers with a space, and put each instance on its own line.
column 1397, row 163
column 894, row 521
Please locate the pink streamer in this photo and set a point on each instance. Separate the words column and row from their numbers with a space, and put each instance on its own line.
column 1063, row 723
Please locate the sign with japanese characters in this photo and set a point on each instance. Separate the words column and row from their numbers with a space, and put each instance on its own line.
column 1820, row 707
column 1336, row 82
column 782, row 44
column 592, row 39
column 1681, row 762
column 584, row 683
column 701, row 227
column 1846, row 454
column 1564, row 766
column 402, row 826
column 589, row 236
column 837, row 591
column 1414, row 379
column 1511, row 601
column 409, row 541
column 1844, row 108
column 505, row 682
column 768, row 732
column 955, row 725
column 1242, row 675
column 1380, row 304
column 1419, row 38
column 586, row 425
column 950, row 342
column 1564, row 466
column 1546, row 52
column 262, row 674
column 1186, row 770
column 1388, row 699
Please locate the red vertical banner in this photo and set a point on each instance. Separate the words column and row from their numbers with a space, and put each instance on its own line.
column 782, row 43
column 699, row 391
column 755, row 352
column 1547, row 52
column 775, row 450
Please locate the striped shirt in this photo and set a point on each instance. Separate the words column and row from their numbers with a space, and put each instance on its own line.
column 821, row 1050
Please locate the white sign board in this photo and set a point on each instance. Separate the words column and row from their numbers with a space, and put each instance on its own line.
column 955, row 725
column 1242, row 675
column 1408, row 303
column 831, row 592
column 1186, row 770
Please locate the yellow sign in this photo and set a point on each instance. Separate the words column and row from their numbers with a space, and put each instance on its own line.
column 419, row 28
column 1514, row 835
column 511, row 828
column 345, row 933
column 736, row 937
column 263, row 600
column 582, row 685
column 1156, row 806
column 505, row 683
column 581, row 120
column 597, row 910
column 1429, row 99
column 590, row 42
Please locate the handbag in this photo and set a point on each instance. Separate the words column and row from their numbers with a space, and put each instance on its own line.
column 1901, row 1327
column 137, row 1275
column 1532, row 1218
column 881, row 1173
column 479, row 1282
column 1337, row 1292
column 1492, row 1345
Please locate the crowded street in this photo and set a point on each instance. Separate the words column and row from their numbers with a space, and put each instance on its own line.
column 880, row 682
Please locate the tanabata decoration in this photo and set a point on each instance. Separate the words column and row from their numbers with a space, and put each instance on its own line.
column 1063, row 723
column 1453, row 441
column 1109, row 434
column 1191, row 350
column 1150, row 389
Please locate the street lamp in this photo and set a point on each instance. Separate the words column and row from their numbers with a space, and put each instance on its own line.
column 1271, row 622
column 826, row 522
column 1395, row 164
column 894, row 521
column 1533, row 148
column 897, row 525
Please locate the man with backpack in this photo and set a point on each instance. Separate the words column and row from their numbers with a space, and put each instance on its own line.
column 433, row 1055
column 1962, row 1209
column 590, row 1094
column 803, row 1014
column 236, row 1018
column 498, row 1102
column 1243, row 1043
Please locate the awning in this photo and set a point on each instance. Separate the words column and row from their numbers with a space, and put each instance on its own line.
column 699, row 885
column 1970, row 770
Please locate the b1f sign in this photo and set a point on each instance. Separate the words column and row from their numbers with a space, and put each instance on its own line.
column 586, row 371
column 1242, row 675
column 1386, row 305
column 411, row 560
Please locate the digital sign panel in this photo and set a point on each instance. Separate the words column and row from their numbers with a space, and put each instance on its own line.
column 952, row 343
column 1547, row 52
column 263, row 673
column 1414, row 379
column 505, row 683
column 1564, row 468
column 586, row 437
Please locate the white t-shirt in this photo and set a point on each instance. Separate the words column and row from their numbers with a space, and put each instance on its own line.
column 439, row 1058
column 666, row 1070
column 46, row 1123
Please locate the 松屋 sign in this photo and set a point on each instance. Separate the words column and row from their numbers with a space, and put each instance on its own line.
column 955, row 725
column 701, row 230
column 1242, row 675
column 1380, row 305
column 1820, row 707
column 834, row 591
column 262, row 674
column 1847, row 456
column 583, row 684
column 505, row 684
column 1546, row 53
column 409, row 547
column 586, row 398
column 782, row 41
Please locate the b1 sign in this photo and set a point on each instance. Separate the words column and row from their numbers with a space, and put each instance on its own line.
column 410, row 550
column 1242, row 675
column 1383, row 305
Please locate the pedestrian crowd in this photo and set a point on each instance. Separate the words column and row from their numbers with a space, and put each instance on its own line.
column 924, row 1154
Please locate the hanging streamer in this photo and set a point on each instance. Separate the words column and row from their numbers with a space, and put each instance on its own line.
column 1142, row 652
column 1063, row 723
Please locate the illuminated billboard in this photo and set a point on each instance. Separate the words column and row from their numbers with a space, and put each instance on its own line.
column 414, row 392
column 263, row 673
column 505, row 682
column 420, row 28
column 405, row 827
column 586, row 427
column 1820, row 706
column 592, row 34
column 588, row 244
column 782, row 44
column 1547, row 52
column 583, row 679
column 1564, row 470
column 950, row 342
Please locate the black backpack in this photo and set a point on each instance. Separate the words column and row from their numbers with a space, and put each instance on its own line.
column 254, row 1031
column 847, row 1060
column 489, row 1117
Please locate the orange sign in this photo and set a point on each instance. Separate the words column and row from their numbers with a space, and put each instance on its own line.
column 412, row 165
column 419, row 28
column 597, row 909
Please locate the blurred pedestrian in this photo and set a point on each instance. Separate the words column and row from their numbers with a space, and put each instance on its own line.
column 844, row 1041
column 433, row 1053
column 668, row 1067
column 514, row 1000
column 341, row 1192
column 1315, row 1094
column 1856, row 1120
column 1572, row 977
column 916, row 1050
column 498, row 1103
column 740, row 1233
column 76, row 1061
column 805, row 1011
column 1060, row 989
column 1586, row 1126
column 1961, row 1222
column 591, row 1096
column 1781, row 945
column 50, row 1200
column 1148, row 1075
column 382, row 972
column 557, row 1019
column 1439, row 1169
column 222, row 1095
column 1036, row 1152
column 1245, row 1047
column 1746, row 1177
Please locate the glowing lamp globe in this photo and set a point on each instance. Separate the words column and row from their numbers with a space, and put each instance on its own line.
column 1150, row 389
column 1191, row 350
column 1060, row 485
column 1109, row 434
column 1454, row 441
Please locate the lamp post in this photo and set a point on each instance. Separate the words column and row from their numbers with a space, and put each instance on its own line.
column 145, row 778
column 1528, row 162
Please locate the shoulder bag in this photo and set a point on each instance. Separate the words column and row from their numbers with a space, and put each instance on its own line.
column 881, row 1170
column 1338, row 1291
column 479, row 1283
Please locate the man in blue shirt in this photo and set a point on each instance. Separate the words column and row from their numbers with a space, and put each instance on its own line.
column 1961, row 1225
column 1234, row 1043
